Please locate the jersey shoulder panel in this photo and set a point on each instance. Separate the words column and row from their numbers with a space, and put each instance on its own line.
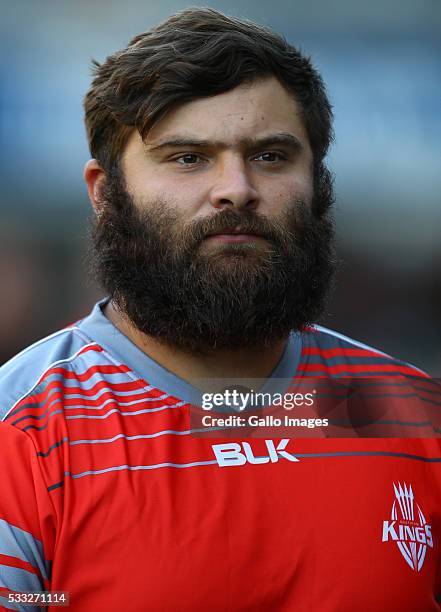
column 23, row 373
column 327, row 351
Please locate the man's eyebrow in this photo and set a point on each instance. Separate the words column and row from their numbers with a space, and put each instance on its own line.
column 280, row 138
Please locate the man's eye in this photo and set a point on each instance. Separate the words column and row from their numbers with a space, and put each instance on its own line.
column 271, row 156
column 189, row 159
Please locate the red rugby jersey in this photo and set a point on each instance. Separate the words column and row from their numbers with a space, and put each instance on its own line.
column 106, row 494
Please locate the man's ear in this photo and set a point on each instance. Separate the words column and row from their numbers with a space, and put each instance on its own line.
column 94, row 177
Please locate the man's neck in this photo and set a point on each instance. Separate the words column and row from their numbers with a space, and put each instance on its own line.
column 240, row 363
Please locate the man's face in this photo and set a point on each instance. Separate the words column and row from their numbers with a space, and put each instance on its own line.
column 209, row 241
column 245, row 149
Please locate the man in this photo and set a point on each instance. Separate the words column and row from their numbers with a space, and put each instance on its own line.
column 213, row 240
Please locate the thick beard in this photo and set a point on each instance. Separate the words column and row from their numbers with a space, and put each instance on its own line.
column 172, row 287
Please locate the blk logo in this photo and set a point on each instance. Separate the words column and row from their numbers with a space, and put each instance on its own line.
column 408, row 528
column 234, row 454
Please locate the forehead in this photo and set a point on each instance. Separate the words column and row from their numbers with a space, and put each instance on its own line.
column 248, row 111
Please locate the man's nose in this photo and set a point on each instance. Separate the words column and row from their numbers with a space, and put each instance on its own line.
column 233, row 187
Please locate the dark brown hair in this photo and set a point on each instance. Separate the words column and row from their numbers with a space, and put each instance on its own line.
column 196, row 53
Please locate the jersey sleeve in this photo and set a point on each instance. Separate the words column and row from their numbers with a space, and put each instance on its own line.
column 27, row 519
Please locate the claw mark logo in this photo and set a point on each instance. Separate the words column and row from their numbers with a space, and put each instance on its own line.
column 412, row 534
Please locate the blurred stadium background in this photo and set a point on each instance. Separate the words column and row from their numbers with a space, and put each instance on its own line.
column 382, row 64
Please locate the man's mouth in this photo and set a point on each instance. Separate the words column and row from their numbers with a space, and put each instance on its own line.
column 236, row 234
